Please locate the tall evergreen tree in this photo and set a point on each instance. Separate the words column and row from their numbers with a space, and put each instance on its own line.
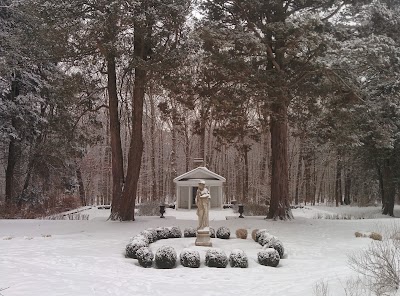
column 273, row 46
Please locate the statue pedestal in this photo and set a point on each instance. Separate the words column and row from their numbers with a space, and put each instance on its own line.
column 203, row 238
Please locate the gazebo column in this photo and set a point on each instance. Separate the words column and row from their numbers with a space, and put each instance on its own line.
column 220, row 193
column 190, row 197
column 178, row 198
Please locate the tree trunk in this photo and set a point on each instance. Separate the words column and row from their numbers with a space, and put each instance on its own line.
column 161, row 175
column 117, row 165
column 347, row 186
column 202, row 134
column 81, row 187
column 127, row 207
column 174, row 166
column 321, row 183
column 246, row 175
column 10, row 170
column 187, row 148
column 314, row 180
column 279, row 204
column 389, row 188
column 263, row 165
column 307, row 173
column 153, row 149
column 338, row 183
column 299, row 166
column 381, row 185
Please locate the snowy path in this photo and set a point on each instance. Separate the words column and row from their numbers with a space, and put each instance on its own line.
column 86, row 258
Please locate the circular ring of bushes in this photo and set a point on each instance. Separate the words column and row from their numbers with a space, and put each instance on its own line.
column 166, row 256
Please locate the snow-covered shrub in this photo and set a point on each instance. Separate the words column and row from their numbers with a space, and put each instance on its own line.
column 258, row 233
column 358, row 234
column 145, row 257
column 165, row 257
column 141, row 237
column 190, row 258
column 212, row 232
column 151, row 232
column 175, row 232
column 277, row 245
column 163, row 233
column 376, row 236
column 148, row 235
column 216, row 258
column 238, row 258
column 254, row 234
column 241, row 233
column 265, row 238
column 223, row 232
column 133, row 246
column 269, row 257
column 373, row 235
column 189, row 232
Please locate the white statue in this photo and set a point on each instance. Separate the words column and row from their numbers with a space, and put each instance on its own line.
column 203, row 205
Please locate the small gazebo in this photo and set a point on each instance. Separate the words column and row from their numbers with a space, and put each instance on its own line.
column 186, row 188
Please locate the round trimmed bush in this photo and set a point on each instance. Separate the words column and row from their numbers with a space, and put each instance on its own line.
column 269, row 257
column 132, row 248
column 212, row 232
column 145, row 257
column 238, row 258
column 141, row 237
column 165, row 257
column 259, row 233
column 265, row 238
column 162, row 233
column 241, row 233
column 216, row 258
column 151, row 235
column 277, row 245
column 190, row 258
column 189, row 232
column 223, row 232
column 175, row 232
column 253, row 234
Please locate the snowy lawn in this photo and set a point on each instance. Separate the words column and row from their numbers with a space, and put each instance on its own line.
column 41, row 257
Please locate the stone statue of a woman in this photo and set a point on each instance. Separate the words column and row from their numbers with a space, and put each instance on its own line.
column 203, row 205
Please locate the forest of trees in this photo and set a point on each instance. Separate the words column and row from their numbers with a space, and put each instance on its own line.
column 107, row 101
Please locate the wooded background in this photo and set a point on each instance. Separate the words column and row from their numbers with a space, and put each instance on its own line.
column 291, row 101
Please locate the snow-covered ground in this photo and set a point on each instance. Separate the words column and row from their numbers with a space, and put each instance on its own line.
column 61, row 257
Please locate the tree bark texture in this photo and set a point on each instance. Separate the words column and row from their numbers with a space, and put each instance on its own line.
column 153, row 148
column 117, row 165
column 279, row 204
column 338, row 183
column 389, row 186
column 299, row 172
